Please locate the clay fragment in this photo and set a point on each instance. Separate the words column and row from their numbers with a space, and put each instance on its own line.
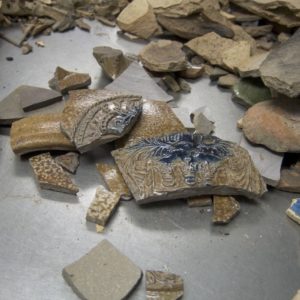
column 290, row 179
column 228, row 81
column 102, row 206
column 95, row 117
column 199, row 201
column 192, row 72
column 163, row 56
column 216, row 73
column 293, row 211
column 225, row 209
column 186, row 165
column 65, row 81
column 40, row 43
column 69, row 161
column 171, row 83
column 50, row 175
column 96, row 274
column 201, row 122
column 38, row 133
column 258, row 31
column 163, row 285
column 184, row 85
column 26, row 48
column 114, row 180
column 112, row 61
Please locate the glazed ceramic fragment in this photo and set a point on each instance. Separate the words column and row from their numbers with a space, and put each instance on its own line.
column 163, row 286
column 294, row 210
column 65, row 81
column 185, row 165
column 290, row 179
column 199, row 201
column 104, row 273
column 102, row 206
column 114, row 180
column 69, row 161
column 225, row 209
column 50, row 175
column 94, row 117
column 38, row 133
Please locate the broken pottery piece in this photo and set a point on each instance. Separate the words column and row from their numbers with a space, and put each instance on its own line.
column 225, row 209
column 184, row 85
column 138, row 18
column 95, row 117
column 96, row 275
column 82, row 25
column 157, row 118
column 281, row 69
column 65, row 81
column 216, row 73
column 38, row 133
column 163, row 56
column 199, row 201
column 192, row 72
column 112, row 61
column 102, row 206
column 69, row 161
column 114, row 180
column 228, row 81
column 290, row 179
column 26, row 48
column 137, row 81
column 171, row 83
column 258, row 31
column 274, row 124
column 294, row 210
column 163, row 285
column 201, row 121
column 186, row 165
column 283, row 37
column 50, row 175
column 249, row 91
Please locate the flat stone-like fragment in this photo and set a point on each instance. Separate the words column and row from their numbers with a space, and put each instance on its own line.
column 65, row 81
column 102, row 206
column 201, row 122
column 69, row 161
column 192, row 72
column 82, row 25
column 102, row 274
column 112, row 61
column 138, row 18
column 258, row 31
column 228, row 81
column 290, row 179
column 163, row 56
column 184, row 85
column 94, row 117
column 294, row 210
column 281, row 69
column 38, row 133
column 137, row 81
column 50, row 175
column 275, row 124
column 216, row 73
column 163, row 285
column 114, row 180
column 185, row 165
column 225, row 209
column 171, row 83
column 199, row 201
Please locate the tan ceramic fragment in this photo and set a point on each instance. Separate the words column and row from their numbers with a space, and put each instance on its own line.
column 192, row 72
column 138, row 18
column 38, row 133
column 225, row 209
column 290, row 179
column 297, row 296
column 50, row 175
column 102, row 206
column 163, row 286
column 94, row 117
column 114, row 180
column 199, row 201
column 228, row 81
column 69, row 161
column 258, row 31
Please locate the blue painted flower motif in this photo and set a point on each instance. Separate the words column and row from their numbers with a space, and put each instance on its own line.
column 296, row 207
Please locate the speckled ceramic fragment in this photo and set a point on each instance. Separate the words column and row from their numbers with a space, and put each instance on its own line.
column 225, row 209
column 69, row 161
column 50, row 175
column 114, row 180
column 163, row 286
column 185, row 165
column 294, row 210
column 94, row 117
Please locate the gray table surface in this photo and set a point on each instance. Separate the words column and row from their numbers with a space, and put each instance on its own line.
column 256, row 256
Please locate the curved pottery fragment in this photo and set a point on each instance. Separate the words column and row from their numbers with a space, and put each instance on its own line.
column 185, row 165
column 94, row 117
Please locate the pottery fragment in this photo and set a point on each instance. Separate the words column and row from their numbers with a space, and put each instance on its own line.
column 171, row 83
column 216, row 72
column 192, row 72
column 297, row 296
column 225, row 209
column 69, row 161
column 201, row 121
column 227, row 81
column 163, row 285
column 290, row 179
column 94, row 117
column 293, row 211
column 82, row 25
column 96, row 274
column 258, row 31
column 50, row 175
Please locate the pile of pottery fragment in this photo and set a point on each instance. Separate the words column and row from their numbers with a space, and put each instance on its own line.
column 248, row 46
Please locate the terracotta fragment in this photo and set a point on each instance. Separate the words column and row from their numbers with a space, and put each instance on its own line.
column 65, row 81
column 192, row 72
column 186, row 165
column 225, row 209
column 216, row 73
column 69, row 161
column 290, row 179
column 171, row 83
column 293, row 211
column 163, row 56
column 102, row 206
column 228, row 81
column 112, row 61
column 114, row 180
column 184, row 85
column 258, row 31
column 138, row 18
column 199, row 201
column 163, row 285
column 96, row 275
column 94, row 117
column 82, row 25
column 38, row 133
column 274, row 124
column 50, row 175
